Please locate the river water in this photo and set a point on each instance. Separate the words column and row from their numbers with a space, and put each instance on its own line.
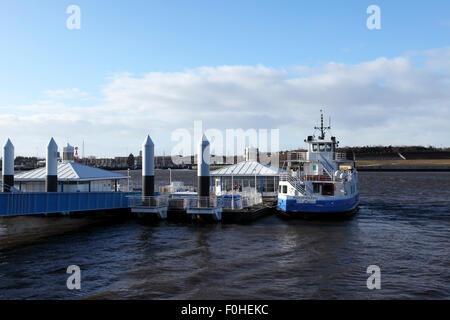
column 403, row 227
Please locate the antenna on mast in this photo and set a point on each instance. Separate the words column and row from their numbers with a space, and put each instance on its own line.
column 322, row 128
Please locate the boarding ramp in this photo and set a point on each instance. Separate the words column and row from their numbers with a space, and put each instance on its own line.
column 31, row 203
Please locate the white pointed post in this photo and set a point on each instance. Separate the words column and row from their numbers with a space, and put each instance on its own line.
column 51, row 164
column 8, row 166
column 148, row 168
column 205, row 207
column 203, row 161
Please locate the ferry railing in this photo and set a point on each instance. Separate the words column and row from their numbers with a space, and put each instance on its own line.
column 148, row 201
column 297, row 182
column 329, row 169
column 340, row 156
column 317, row 178
column 302, row 155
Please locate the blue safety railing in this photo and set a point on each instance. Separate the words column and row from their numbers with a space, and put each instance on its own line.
column 26, row 203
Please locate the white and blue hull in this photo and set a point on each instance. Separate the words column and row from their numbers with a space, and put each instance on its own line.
column 292, row 205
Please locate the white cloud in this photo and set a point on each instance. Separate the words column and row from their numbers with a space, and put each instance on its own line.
column 63, row 94
column 384, row 101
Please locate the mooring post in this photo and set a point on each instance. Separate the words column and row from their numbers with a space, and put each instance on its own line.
column 51, row 164
column 148, row 169
column 203, row 161
column 8, row 166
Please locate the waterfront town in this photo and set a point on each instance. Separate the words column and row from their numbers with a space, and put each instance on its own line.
column 134, row 161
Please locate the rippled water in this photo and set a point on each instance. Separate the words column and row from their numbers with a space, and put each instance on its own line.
column 403, row 227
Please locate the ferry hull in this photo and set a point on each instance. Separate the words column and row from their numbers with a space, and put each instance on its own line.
column 336, row 208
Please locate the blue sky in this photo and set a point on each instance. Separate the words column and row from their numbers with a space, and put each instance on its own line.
column 39, row 54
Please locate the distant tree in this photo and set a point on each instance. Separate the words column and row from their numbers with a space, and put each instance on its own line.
column 130, row 161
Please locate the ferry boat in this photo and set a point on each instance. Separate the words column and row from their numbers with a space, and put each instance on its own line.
column 319, row 182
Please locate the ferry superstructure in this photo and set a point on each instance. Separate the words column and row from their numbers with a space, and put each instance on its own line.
column 320, row 181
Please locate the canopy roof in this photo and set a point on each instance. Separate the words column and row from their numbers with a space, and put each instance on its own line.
column 70, row 171
column 248, row 168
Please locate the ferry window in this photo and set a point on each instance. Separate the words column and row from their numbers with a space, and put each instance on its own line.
column 321, row 147
column 316, row 187
column 284, row 189
column 328, row 147
column 314, row 147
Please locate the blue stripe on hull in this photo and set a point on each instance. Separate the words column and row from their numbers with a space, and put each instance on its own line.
column 321, row 206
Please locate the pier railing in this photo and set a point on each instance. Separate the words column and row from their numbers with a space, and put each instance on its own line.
column 176, row 188
column 239, row 200
column 27, row 203
column 148, row 201
column 181, row 203
column 231, row 203
column 201, row 202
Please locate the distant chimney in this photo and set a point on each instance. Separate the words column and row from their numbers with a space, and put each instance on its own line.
column 68, row 153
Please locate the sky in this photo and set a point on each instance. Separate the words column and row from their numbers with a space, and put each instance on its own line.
column 154, row 67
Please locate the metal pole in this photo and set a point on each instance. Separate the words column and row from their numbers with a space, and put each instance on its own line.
column 232, row 191
column 129, row 176
column 255, row 181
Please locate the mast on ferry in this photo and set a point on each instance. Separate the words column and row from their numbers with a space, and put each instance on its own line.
column 322, row 128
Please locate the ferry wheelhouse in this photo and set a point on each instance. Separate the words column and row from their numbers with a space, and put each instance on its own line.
column 319, row 181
